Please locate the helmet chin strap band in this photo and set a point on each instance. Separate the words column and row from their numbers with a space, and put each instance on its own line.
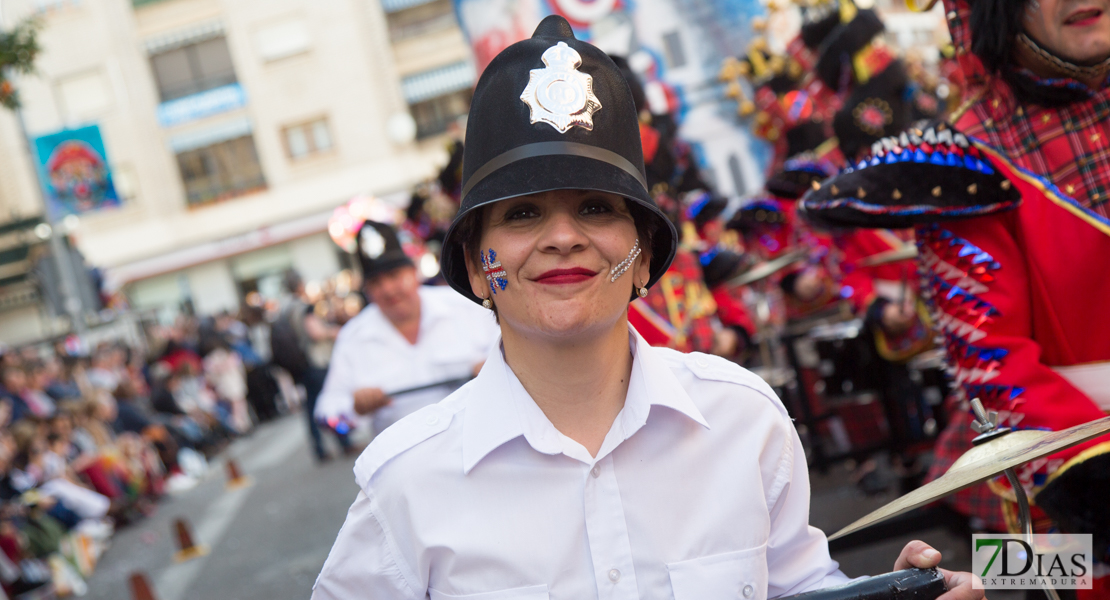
column 1061, row 66
column 553, row 149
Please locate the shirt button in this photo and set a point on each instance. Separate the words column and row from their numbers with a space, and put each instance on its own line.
column 432, row 419
column 748, row 591
column 596, row 472
column 614, row 575
column 702, row 362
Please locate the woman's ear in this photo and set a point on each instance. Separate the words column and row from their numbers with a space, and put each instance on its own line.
column 478, row 284
column 643, row 268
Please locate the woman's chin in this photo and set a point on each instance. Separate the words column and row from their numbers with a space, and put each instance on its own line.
column 568, row 320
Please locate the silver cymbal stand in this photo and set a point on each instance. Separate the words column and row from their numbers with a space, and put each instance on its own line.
column 986, row 425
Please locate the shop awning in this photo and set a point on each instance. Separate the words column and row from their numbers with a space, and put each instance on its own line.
column 437, row 82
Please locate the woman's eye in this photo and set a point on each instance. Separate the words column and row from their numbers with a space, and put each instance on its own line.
column 596, row 208
column 520, row 212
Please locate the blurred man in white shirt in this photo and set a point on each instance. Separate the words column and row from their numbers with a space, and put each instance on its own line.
column 410, row 347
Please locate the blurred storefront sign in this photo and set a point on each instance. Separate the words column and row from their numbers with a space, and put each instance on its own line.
column 264, row 237
column 212, row 102
column 73, row 168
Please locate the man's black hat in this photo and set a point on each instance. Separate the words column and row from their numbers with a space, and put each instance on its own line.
column 552, row 113
column 874, row 110
column 379, row 250
column 803, row 165
column 719, row 266
column 838, row 48
column 818, row 22
column 705, row 208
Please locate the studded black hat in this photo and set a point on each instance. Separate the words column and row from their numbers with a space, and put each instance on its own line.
column 921, row 176
column 552, row 113
column 379, row 249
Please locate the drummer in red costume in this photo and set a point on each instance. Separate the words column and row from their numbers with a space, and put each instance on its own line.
column 678, row 313
column 721, row 257
column 1013, row 243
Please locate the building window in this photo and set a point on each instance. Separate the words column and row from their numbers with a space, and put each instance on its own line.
column 432, row 116
column 422, row 19
column 50, row 5
column 192, row 69
column 221, row 171
column 306, row 139
column 283, row 39
column 672, row 44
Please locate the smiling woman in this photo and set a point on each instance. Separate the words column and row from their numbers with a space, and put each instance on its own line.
column 474, row 225
column 581, row 462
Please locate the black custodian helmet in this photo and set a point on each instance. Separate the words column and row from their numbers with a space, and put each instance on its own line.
column 552, row 113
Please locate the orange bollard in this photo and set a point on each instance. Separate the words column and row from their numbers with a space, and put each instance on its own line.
column 141, row 588
column 186, row 548
column 235, row 478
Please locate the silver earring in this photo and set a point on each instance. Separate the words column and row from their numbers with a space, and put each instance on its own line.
column 625, row 264
column 487, row 303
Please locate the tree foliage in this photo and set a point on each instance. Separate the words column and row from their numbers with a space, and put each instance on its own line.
column 18, row 49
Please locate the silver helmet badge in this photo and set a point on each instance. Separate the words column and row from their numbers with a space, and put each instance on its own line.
column 559, row 94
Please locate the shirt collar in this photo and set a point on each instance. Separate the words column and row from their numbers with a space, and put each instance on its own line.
column 500, row 409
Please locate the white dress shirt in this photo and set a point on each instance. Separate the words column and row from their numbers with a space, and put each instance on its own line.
column 455, row 335
column 700, row 491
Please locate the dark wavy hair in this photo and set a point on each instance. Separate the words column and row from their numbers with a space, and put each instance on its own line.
column 995, row 25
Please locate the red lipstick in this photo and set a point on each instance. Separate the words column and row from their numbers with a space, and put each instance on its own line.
column 564, row 276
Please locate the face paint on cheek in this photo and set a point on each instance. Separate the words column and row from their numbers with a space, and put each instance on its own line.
column 495, row 275
column 1032, row 10
column 625, row 264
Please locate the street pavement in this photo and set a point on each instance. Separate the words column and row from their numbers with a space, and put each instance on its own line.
column 268, row 541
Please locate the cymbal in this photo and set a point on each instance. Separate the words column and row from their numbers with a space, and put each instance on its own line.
column 906, row 252
column 766, row 269
column 983, row 462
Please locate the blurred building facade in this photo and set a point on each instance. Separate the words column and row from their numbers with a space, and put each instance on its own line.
column 232, row 130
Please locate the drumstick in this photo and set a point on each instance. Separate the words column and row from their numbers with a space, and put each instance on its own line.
column 421, row 388
column 347, row 420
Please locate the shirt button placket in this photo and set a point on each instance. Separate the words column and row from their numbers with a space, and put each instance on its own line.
column 607, row 533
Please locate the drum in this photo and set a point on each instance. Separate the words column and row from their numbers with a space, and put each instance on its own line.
column 838, row 389
column 928, row 371
column 846, row 359
column 857, row 403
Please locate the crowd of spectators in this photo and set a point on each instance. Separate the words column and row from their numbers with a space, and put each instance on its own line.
column 91, row 439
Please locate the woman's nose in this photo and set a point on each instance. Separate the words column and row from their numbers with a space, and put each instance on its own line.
column 563, row 234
